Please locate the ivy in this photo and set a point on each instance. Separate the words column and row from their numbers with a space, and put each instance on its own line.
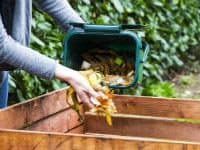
column 173, row 28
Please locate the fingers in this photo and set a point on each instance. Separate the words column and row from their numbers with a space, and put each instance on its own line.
column 84, row 91
column 94, row 101
column 93, row 97
column 85, row 99
column 93, row 93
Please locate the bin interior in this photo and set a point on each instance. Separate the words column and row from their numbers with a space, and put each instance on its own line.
column 80, row 43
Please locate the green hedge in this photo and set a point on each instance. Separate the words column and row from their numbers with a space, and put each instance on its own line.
column 173, row 27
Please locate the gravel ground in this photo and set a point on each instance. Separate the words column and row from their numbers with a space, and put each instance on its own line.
column 187, row 86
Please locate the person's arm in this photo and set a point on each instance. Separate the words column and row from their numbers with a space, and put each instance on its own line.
column 61, row 11
column 21, row 57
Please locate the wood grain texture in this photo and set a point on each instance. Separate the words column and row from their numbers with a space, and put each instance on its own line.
column 143, row 126
column 59, row 122
column 155, row 106
column 27, row 112
column 79, row 130
column 22, row 140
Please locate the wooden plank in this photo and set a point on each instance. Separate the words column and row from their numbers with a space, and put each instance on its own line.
column 78, row 130
column 155, row 106
column 143, row 126
column 27, row 112
column 59, row 122
column 23, row 140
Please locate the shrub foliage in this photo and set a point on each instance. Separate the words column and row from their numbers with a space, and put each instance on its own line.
column 173, row 28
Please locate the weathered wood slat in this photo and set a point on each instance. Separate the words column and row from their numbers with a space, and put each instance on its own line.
column 26, row 113
column 22, row 140
column 59, row 122
column 78, row 130
column 35, row 109
column 143, row 126
column 154, row 106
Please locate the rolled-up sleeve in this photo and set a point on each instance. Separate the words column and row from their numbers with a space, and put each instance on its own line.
column 61, row 11
column 21, row 57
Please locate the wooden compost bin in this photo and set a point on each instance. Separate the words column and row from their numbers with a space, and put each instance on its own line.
column 142, row 123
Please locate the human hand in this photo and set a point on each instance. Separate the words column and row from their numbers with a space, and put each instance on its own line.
column 82, row 87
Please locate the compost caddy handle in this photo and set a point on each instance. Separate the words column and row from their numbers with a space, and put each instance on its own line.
column 107, row 28
column 102, row 28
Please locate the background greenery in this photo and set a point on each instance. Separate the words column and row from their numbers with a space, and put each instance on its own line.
column 173, row 29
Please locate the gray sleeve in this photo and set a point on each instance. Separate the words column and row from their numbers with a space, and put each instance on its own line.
column 60, row 10
column 21, row 57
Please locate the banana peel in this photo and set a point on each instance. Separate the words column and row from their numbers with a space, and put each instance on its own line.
column 75, row 106
column 105, row 107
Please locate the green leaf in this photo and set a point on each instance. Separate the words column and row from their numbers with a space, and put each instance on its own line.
column 158, row 3
column 118, row 61
column 175, row 2
column 118, row 5
column 44, row 26
column 37, row 40
column 177, row 61
column 86, row 1
column 103, row 19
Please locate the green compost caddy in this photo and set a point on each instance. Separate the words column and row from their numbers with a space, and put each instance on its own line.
column 120, row 38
